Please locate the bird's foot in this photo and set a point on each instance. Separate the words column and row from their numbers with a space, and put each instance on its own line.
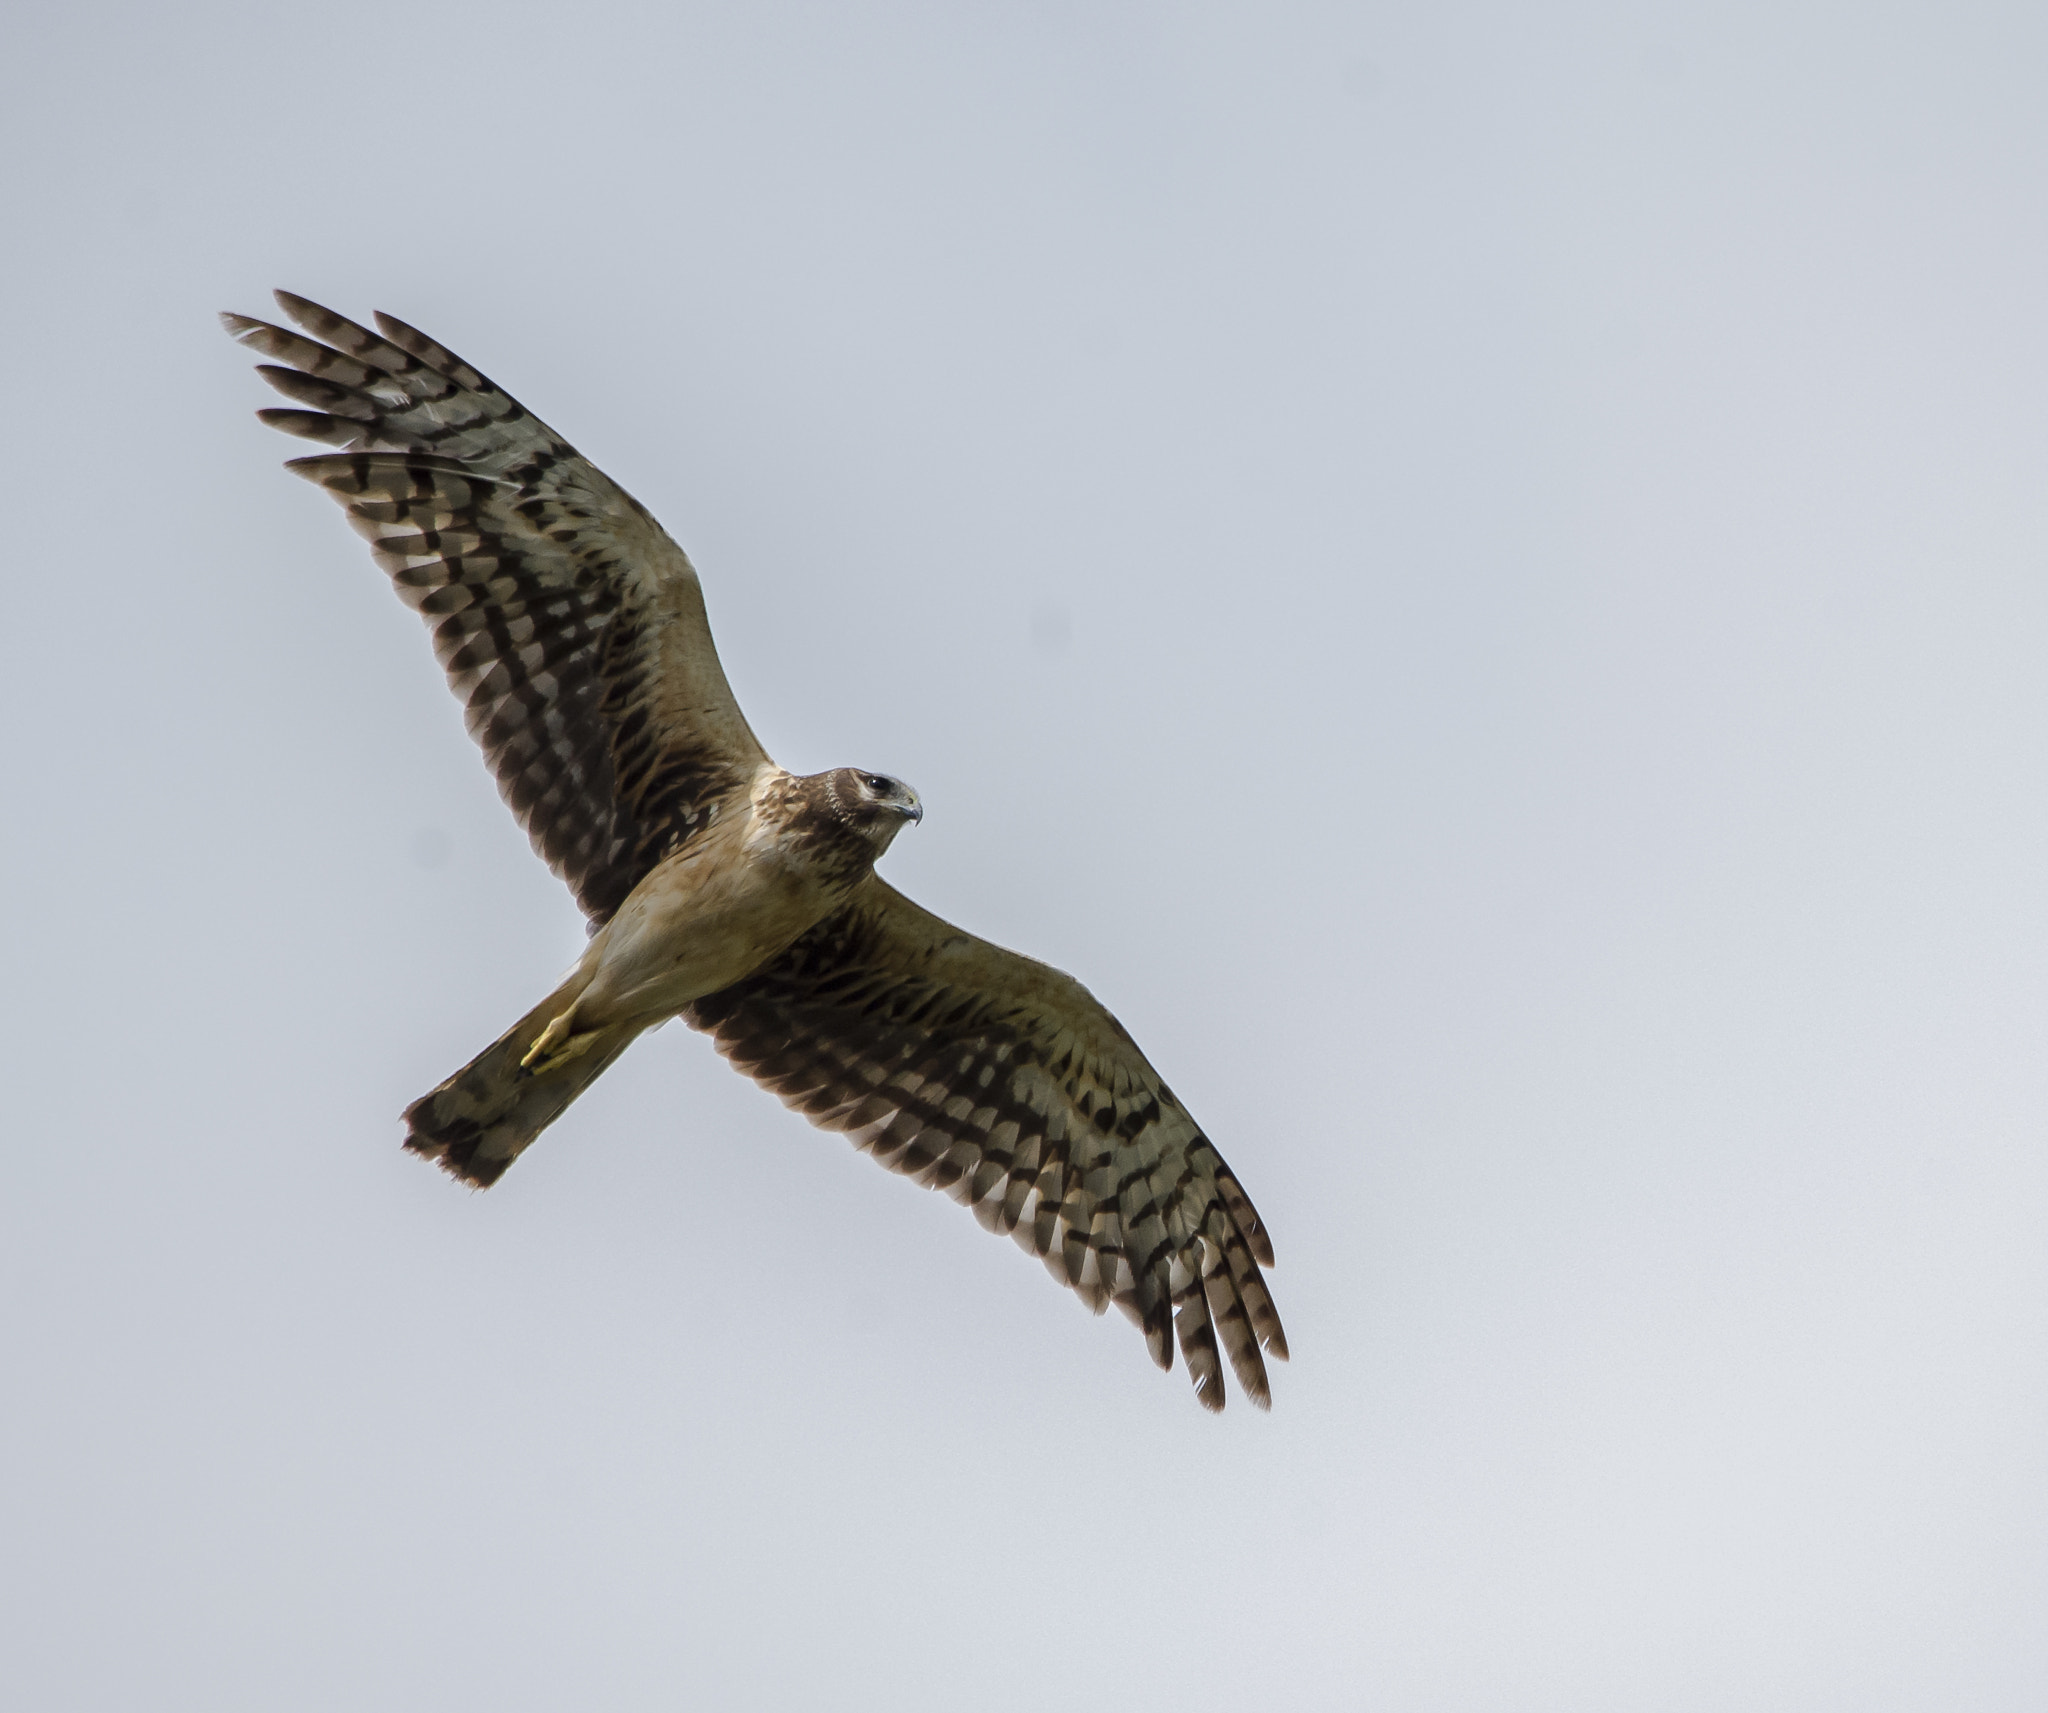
column 558, row 1044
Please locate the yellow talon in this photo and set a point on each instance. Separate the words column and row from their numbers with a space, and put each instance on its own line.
column 573, row 1048
column 541, row 1056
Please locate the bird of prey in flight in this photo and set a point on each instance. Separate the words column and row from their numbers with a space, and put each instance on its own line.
column 728, row 892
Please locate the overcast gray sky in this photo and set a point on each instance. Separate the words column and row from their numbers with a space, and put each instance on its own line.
column 1480, row 572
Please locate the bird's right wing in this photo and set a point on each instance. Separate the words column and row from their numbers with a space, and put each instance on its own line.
column 568, row 622
column 1005, row 1083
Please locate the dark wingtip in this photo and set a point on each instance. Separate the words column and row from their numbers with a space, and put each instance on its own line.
column 1157, row 1326
column 310, row 425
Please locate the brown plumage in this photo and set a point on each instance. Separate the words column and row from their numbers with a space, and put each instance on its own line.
column 731, row 893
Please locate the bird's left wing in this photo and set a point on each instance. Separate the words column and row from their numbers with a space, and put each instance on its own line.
column 1005, row 1082
column 568, row 622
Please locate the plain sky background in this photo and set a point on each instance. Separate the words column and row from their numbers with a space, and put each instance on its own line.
column 1480, row 572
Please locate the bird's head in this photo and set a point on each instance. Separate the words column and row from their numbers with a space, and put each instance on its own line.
column 873, row 805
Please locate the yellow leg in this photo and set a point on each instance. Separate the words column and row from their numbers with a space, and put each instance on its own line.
column 573, row 1048
column 557, row 1044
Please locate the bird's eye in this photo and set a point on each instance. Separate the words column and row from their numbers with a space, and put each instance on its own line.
column 877, row 784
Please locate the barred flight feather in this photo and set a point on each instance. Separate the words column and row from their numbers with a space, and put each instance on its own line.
column 569, row 624
column 1005, row 1083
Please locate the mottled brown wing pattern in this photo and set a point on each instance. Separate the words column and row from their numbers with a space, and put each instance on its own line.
column 1005, row 1083
column 569, row 624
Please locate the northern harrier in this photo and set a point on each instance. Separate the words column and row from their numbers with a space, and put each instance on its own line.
column 725, row 891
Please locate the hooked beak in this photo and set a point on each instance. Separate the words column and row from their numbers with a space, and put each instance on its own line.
column 913, row 810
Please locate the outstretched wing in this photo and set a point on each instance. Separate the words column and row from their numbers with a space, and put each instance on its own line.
column 569, row 623
column 1005, row 1083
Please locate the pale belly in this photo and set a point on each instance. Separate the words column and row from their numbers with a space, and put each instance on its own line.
column 693, row 926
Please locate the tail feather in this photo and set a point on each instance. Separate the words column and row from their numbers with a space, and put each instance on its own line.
column 478, row 1121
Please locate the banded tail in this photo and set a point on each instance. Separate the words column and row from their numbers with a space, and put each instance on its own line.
column 478, row 1121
